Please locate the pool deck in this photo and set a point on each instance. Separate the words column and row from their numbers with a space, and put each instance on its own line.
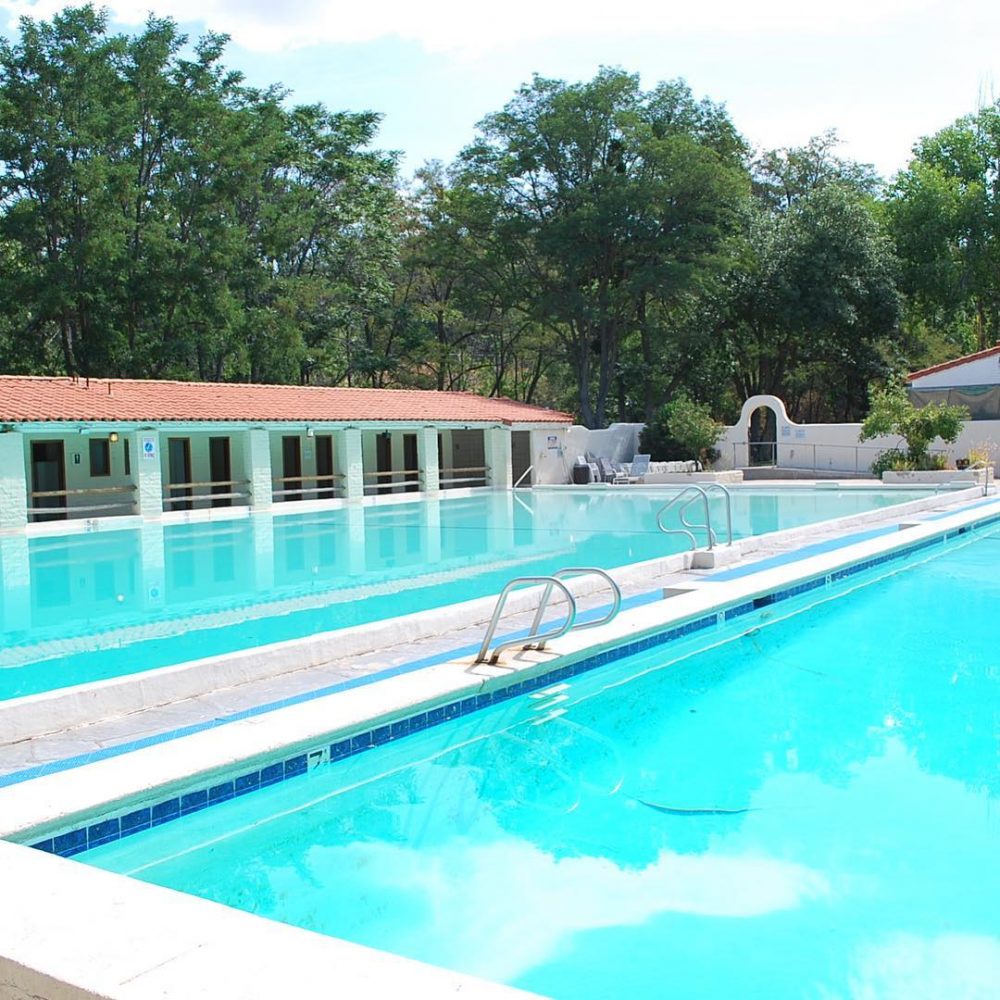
column 455, row 635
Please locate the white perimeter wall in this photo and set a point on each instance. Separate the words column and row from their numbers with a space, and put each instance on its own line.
column 829, row 447
column 554, row 451
column 835, row 447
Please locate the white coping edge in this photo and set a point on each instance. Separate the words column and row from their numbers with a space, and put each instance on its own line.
column 69, row 932
column 83, row 704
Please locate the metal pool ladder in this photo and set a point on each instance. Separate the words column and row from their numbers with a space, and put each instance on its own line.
column 695, row 492
column 535, row 639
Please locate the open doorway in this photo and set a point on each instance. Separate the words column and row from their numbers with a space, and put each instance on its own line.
column 762, row 437
column 520, row 457
column 179, row 473
column 220, row 471
column 48, row 476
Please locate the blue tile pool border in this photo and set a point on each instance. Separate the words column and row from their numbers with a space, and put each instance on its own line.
column 133, row 820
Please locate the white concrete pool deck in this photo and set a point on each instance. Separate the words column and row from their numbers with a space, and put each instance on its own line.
column 69, row 932
column 149, row 705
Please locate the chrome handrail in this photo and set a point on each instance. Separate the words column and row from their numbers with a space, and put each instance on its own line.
column 616, row 599
column 985, row 466
column 532, row 637
column 697, row 491
column 520, row 478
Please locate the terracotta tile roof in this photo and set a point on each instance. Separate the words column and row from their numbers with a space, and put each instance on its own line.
column 989, row 352
column 38, row 398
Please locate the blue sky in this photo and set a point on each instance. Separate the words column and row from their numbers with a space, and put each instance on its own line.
column 880, row 72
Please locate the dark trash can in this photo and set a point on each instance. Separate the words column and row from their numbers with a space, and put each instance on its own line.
column 581, row 474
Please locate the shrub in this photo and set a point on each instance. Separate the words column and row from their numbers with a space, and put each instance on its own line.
column 891, row 412
column 981, row 454
column 682, row 429
column 890, row 460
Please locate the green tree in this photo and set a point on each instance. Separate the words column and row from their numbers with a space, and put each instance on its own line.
column 162, row 218
column 944, row 213
column 611, row 204
column 812, row 300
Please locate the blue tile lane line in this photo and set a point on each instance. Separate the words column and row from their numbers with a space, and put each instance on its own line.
column 115, row 828
column 805, row 552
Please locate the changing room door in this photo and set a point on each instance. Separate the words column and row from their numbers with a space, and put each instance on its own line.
column 291, row 466
column 220, row 469
column 324, row 466
column 48, row 475
column 179, row 470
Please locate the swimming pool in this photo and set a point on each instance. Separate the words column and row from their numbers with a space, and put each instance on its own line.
column 88, row 607
column 796, row 804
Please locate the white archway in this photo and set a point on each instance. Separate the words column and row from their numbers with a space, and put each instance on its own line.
column 759, row 420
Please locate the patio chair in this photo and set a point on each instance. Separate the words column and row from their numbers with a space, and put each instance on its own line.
column 637, row 471
column 610, row 473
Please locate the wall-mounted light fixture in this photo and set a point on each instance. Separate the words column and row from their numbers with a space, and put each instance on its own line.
column 310, row 432
column 113, row 437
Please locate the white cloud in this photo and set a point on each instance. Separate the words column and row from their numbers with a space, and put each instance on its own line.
column 909, row 967
column 480, row 896
column 463, row 28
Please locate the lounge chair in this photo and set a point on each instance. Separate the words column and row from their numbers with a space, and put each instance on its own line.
column 611, row 473
column 638, row 469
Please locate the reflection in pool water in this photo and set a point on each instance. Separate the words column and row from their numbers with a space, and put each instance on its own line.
column 833, row 828
column 87, row 607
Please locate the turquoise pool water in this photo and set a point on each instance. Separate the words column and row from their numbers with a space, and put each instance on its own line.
column 809, row 807
column 88, row 607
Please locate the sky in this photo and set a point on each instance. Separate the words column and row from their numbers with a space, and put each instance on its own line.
column 882, row 73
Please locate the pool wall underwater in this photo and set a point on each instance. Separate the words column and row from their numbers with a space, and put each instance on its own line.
column 170, row 939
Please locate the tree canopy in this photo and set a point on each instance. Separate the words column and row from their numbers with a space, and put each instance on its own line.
column 597, row 246
column 162, row 218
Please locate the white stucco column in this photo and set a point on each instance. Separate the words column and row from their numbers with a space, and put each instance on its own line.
column 257, row 455
column 147, row 473
column 348, row 462
column 13, row 482
column 496, row 441
column 428, row 461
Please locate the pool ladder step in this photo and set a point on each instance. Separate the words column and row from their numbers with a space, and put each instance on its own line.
column 536, row 639
column 691, row 494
